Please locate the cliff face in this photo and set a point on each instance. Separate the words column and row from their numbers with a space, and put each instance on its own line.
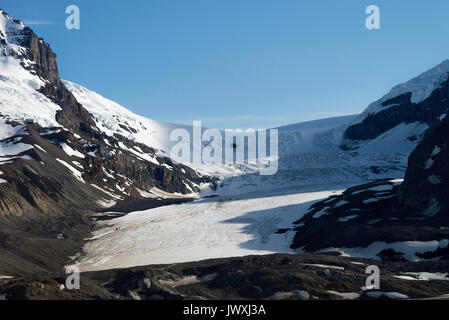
column 72, row 114
column 40, row 52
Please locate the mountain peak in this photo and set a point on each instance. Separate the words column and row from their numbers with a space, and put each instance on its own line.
column 420, row 87
column 23, row 45
column 11, row 30
column 409, row 108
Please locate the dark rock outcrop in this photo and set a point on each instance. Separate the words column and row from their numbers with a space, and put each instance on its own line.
column 402, row 111
column 40, row 52
column 274, row 277
column 426, row 186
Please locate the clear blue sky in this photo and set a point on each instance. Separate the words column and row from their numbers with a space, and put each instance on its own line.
column 241, row 63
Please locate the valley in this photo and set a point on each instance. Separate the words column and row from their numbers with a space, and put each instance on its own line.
column 86, row 182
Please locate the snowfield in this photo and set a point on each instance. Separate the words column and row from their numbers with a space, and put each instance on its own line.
column 208, row 228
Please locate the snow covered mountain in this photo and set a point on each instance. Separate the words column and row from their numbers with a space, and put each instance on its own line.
column 32, row 93
column 405, row 113
column 21, row 74
column 305, row 146
column 391, row 220
column 394, row 123
column 112, row 118
column 59, row 164
column 308, row 152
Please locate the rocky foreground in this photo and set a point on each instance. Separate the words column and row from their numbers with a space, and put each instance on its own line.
column 278, row 277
